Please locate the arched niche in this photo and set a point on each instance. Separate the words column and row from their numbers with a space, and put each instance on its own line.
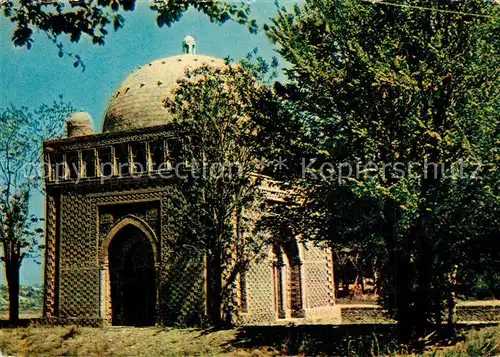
column 288, row 280
column 134, row 242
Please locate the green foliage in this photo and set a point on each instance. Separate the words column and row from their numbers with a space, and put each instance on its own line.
column 386, row 85
column 223, row 113
column 30, row 298
column 23, row 131
column 257, row 66
column 21, row 137
column 93, row 18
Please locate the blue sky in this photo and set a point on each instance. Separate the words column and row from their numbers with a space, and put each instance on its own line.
column 32, row 77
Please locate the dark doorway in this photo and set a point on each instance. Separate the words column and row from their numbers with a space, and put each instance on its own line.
column 132, row 278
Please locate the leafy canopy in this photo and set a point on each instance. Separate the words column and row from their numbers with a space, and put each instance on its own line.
column 93, row 18
column 379, row 85
column 21, row 137
column 223, row 113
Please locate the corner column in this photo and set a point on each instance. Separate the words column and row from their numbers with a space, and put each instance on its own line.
column 51, row 247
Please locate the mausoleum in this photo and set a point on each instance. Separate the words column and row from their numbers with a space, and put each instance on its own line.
column 116, row 247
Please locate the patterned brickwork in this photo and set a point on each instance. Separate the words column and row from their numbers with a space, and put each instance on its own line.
column 307, row 284
column 78, row 246
column 109, row 215
column 81, row 216
column 182, row 290
column 107, row 139
column 50, row 255
column 86, row 218
column 79, row 271
column 259, row 282
column 478, row 312
column 180, row 272
column 79, row 296
column 78, row 288
column 363, row 314
column 318, row 277
column 295, row 293
column 139, row 101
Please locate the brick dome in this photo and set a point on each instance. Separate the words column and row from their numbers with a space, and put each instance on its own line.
column 79, row 124
column 138, row 102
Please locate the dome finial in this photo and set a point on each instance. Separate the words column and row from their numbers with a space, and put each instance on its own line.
column 189, row 45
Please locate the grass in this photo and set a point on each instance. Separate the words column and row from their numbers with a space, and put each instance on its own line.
column 121, row 341
column 481, row 343
column 484, row 342
column 245, row 341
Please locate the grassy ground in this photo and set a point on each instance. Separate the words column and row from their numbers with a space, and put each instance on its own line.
column 255, row 341
column 483, row 343
column 120, row 341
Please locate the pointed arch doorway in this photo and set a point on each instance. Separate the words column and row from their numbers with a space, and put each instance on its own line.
column 129, row 260
column 287, row 276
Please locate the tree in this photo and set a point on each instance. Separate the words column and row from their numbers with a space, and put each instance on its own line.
column 223, row 112
column 92, row 18
column 394, row 100
column 23, row 131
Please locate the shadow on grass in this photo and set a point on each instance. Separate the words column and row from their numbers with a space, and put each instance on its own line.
column 331, row 340
column 20, row 323
column 344, row 340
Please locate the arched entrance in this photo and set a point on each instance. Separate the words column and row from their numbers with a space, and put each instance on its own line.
column 287, row 281
column 131, row 276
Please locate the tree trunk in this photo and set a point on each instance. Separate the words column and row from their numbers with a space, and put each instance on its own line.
column 357, row 289
column 376, row 282
column 451, row 301
column 398, row 271
column 12, row 276
column 214, row 288
column 403, row 295
column 346, row 286
column 425, row 297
